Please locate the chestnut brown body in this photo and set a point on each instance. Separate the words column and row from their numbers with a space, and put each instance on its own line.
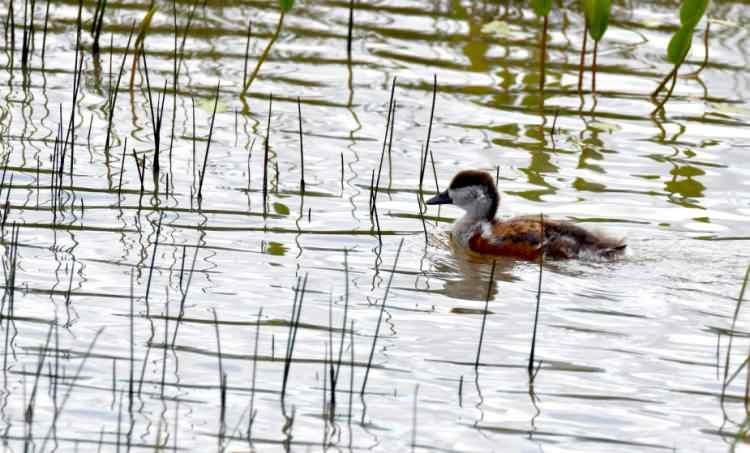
column 519, row 237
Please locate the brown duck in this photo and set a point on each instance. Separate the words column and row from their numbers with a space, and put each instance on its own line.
column 518, row 237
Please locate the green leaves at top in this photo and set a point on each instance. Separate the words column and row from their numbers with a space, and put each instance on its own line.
column 597, row 16
column 691, row 12
column 286, row 5
column 679, row 45
column 541, row 7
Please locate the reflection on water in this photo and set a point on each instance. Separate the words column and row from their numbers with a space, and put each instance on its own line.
column 200, row 303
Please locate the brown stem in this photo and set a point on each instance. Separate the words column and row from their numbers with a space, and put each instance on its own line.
column 663, row 82
column 593, row 68
column 583, row 59
column 669, row 92
column 705, row 45
column 705, row 55
column 542, row 60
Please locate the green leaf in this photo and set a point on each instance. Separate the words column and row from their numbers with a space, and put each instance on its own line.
column 679, row 45
column 541, row 7
column 286, row 5
column 597, row 17
column 691, row 12
column 276, row 248
column 281, row 209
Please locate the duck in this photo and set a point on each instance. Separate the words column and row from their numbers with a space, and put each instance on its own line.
column 524, row 237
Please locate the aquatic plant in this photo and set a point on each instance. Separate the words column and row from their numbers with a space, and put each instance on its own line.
column 140, row 38
column 96, row 24
column 691, row 12
column 596, row 13
column 285, row 6
column 541, row 9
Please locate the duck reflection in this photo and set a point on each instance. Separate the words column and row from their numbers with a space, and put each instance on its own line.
column 466, row 273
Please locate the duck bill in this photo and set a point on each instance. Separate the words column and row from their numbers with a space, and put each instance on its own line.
column 441, row 198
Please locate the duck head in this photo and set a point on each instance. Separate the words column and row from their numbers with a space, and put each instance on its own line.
column 474, row 192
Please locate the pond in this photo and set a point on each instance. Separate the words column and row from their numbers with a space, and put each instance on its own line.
column 318, row 304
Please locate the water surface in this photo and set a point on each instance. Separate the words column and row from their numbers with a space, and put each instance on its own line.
column 632, row 353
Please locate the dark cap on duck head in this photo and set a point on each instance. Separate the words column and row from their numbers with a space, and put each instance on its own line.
column 466, row 178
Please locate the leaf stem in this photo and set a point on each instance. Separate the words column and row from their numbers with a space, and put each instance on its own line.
column 263, row 55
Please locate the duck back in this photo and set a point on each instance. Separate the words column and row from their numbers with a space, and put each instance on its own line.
column 521, row 237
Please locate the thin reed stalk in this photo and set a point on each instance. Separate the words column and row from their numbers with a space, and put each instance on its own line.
column 112, row 101
column 423, row 160
column 301, row 149
column 202, row 174
column 66, row 396
column 253, row 375
column 11, row 17
column 593, row 67
column 265, row 156
column 247, row 51
column 342, row 173
column 122, row 170
column 421, row 217
column 25, row 43
column 543, row 57
column 291, row 339
column 29, row 414
column 582, row 61
column 350, row 29
column 184, row 292
column 156, row 118
column 346, row 313
column 222, row 383
column 101, row 6
column 132, row 344
column 380, row 319
column 153, row 262
column 485, row 312
column 732, row 330
column 44, row 35
column 388, row 125
column 530, row 367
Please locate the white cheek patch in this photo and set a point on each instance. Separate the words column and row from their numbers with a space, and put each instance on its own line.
column 458, row 196
column 472, row 199
column 463, row 196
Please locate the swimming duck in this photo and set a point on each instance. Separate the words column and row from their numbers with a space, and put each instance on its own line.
column 519, row 237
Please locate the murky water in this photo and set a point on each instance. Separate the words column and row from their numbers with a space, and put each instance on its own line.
column 633, row 353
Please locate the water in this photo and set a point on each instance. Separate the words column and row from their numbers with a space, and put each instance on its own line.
column 631, row 354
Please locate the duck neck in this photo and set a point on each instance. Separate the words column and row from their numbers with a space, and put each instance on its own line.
column 467, row 226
